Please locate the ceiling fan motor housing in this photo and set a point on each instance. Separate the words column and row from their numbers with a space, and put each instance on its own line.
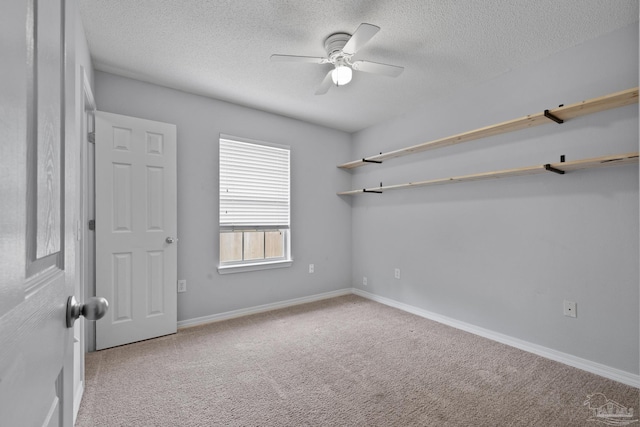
column 334, row 44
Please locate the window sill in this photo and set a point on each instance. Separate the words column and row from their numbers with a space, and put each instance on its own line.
column 241, row 268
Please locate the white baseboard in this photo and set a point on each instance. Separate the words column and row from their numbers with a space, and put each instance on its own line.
column 261, row 308
column 624, row 377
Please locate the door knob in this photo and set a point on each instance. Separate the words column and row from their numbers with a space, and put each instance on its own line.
column 171, row 240
column 95, row 308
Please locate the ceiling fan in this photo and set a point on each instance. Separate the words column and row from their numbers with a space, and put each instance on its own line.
column 340, row 49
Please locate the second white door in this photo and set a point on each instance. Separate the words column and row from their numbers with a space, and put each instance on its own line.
column 136, row 225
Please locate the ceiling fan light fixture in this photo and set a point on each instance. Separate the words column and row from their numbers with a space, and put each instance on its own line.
column 341, row 75
column 340, row 48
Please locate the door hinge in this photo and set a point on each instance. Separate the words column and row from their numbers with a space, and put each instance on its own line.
column 91, row 137
column 92, row 224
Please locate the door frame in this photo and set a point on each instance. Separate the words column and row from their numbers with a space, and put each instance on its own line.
column 86, row 275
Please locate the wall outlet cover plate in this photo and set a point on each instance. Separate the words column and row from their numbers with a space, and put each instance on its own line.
column 570, row 309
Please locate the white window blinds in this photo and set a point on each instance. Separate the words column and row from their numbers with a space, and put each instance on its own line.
column 254, row 185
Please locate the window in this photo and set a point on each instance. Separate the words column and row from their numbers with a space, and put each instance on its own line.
column 254, row 205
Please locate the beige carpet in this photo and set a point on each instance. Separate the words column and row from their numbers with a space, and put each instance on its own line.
column 346, row 361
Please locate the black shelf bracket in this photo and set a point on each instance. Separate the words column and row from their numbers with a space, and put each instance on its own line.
column 373, row 161
column 554, row 170
column 364, row 190
column 556, row 119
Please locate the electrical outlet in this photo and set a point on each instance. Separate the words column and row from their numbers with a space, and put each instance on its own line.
column 570, row 309
column 182, row 286
column 364, row 280
column 397, row 273
column 311, row 268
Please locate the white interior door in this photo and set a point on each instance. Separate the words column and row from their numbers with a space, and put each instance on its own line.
column 38, row 210
column 136, row 224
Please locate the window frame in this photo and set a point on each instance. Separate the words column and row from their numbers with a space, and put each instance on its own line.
column 239, row 266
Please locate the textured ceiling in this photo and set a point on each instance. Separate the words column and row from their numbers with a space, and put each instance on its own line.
column 221, row 48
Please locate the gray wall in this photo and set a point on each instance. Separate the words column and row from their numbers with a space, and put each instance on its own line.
column 504, row 254
column 83, row 56
column 320, row 221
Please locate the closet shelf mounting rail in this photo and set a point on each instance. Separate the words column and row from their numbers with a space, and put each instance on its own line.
column 556, row 115
column 560, row 168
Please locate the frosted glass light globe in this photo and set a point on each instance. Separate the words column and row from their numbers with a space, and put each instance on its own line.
column 341, row 75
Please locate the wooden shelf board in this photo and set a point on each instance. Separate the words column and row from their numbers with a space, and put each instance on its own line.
column 567, row 112
column 597, row 162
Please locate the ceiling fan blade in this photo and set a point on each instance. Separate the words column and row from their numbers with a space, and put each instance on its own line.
column 377, row 68
column 295, row 58
column 325, row 85
column 363, row 34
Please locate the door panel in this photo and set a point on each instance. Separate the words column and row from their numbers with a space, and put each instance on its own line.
column 35, row 345
column 136, row 269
